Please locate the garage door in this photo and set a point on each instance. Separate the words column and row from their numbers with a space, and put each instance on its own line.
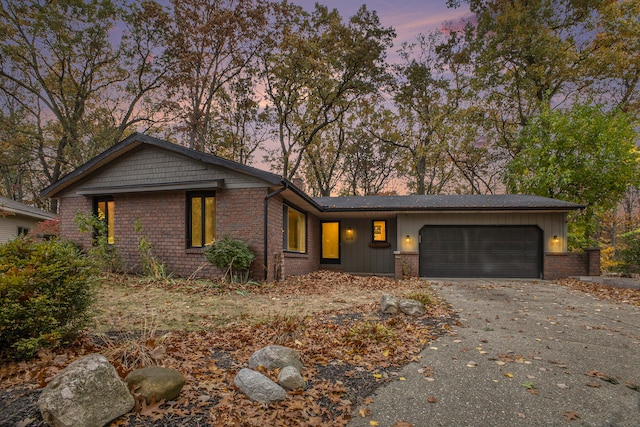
column 481, row 251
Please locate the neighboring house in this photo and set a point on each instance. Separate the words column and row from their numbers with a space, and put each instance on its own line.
column 19, row 219
column 181, row 200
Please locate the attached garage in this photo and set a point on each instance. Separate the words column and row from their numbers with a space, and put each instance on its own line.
column 481, row 251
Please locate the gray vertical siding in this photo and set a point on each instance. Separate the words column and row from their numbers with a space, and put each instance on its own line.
column 358, row 257
column 551, row 223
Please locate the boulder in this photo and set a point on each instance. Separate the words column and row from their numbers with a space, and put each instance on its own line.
column 258, row 387
column 275, row 356
column 411, row 307
column 290, row 378
column 159, row 383
column 86, row 393
column 388, row 304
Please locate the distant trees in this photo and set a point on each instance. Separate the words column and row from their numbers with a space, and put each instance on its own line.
column 465, row 109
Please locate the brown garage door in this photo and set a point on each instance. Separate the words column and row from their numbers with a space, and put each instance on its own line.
column 481, row 251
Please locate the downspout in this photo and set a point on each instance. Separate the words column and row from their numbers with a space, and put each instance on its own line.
column 266, row 227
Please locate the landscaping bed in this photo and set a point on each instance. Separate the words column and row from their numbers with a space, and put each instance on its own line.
column 208, row 330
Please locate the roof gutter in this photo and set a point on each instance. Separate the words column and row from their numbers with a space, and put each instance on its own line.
column 266, row 225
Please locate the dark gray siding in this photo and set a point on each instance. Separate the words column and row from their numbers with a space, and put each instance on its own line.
column 155, row 166
column 358, row 257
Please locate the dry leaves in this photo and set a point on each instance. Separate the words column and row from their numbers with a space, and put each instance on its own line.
column 338, row 371
column 606, row 292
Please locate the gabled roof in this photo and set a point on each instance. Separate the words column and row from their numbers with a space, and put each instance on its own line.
column 321, row 204
column 475, row 202
column 17, row 208
column 136, row 140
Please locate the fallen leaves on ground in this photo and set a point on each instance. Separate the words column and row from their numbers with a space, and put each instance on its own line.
column 339, row 370
column 605, row 292
column 570, row 416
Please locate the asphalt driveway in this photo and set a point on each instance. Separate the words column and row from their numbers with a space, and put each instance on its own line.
column 525, row 354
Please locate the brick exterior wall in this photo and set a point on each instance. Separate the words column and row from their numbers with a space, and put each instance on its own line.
column 297, row 264
column 69, row 208
column 162, row 217
column 565, row 264
column 407, row 264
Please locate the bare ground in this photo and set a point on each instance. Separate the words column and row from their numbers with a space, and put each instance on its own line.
column 207, row 330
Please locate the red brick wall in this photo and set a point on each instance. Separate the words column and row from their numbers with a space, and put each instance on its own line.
column 296, row 264
column 69, row 208
column 162, row 217
column 566, row 264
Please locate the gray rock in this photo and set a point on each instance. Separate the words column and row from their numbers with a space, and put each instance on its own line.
column 86, row 393
column 411, row 307
column 258, row 387
column 161, row 383
column 275, row 356
column 388, row 304
column 290, row 378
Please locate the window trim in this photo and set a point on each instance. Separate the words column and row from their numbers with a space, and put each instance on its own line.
column 373, row 231
column 23, row 231
column 105, row 199
column 285, row 228
column 188, row 216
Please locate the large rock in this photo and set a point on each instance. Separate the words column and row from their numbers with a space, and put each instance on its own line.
column 411, row 307
column 156, row 382
column 275, row 356
column 86, row 393
column 290, row 378
column 388, row 304
column 258, row 387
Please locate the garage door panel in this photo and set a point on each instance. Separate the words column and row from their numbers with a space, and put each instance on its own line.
column 480, row 251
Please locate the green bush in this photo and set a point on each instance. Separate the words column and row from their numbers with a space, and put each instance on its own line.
column 232, row 256
column 45, row 292
column 628, row 254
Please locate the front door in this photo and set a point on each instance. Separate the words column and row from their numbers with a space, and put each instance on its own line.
column 330, row 242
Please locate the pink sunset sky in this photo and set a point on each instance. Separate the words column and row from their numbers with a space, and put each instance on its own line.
column 409, row 17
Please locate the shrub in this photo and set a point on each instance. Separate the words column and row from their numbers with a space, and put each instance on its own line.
column 421, row 297
column 104, row 255
column 232, row 256
column 45, row 292
column 628, row 255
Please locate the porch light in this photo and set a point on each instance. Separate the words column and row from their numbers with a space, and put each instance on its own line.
column 407, row 239
column 349, row 233
column 555, row 239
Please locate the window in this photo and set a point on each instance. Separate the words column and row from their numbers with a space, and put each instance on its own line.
column 379, row 231
column 330, row 242
column 295, row 229
column 104, row 209
column 201, row 211
column 23, row 231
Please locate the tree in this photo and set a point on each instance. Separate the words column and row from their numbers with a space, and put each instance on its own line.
column 315, row 72
column 583, row 155
column 526, row 56
column 213, row 43
column 80, row 91
column 425, row 97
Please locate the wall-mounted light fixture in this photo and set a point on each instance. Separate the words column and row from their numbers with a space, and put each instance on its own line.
column 407, row 239
column 555, row 239
column 349, row 233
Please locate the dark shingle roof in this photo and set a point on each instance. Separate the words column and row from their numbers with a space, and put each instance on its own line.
column 14, row 207
column 443, row 203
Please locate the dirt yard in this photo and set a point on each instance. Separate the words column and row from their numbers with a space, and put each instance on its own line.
column 131, row 302
column 208, row 330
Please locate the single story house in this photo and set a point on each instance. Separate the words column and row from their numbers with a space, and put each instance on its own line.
column 19, row 219
column 181, row 200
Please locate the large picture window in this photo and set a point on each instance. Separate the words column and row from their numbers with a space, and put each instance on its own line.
column 295, row 227
column 104, row 209
column 202, row 220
